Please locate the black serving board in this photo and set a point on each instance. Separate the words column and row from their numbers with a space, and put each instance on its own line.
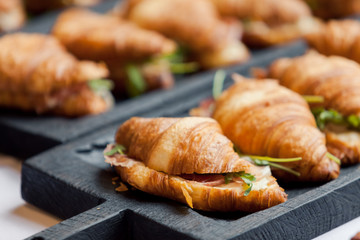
column 73, row 182
column 24, row 134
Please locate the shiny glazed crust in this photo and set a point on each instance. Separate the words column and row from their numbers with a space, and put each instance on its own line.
column 262, row 118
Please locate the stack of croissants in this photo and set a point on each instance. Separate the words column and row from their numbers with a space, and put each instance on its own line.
column 296, row 120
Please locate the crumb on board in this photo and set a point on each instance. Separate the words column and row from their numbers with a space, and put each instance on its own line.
column 121, row 188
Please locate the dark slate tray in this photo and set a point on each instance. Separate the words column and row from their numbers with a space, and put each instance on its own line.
column 73, row 182
column 24, row 135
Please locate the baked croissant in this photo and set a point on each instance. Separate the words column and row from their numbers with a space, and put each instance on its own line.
column 334, row 8
column 195, row 24
column 269, row 22
column 37, row 74
column 264, row 119
column 336, row 79
column 337, row 38
column 185, row 159
column 40, row 6
column 92, row 36
column 12, row 14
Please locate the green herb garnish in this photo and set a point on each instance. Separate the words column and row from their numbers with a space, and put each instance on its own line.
column 117, row 149
column 135, row 84
column 333, row 158
column 275, row 165
column 313, row 99
column 182, row 68
column 218, row 83
column 246, row 177
column 98, row 85
column 270, row 159
column 324, row 117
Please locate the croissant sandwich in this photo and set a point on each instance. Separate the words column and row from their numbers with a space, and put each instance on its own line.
column 340, row 38
column 269, row 22
column 37, row 74
column 337, row 81
column 121, row 44
column 212, row 41
column 12, row 14
column 40, row 6
column 190, row 160
column 267, row 121
column 334, row 8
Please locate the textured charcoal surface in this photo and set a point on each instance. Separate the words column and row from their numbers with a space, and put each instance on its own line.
column 94, row 210
column 78, row 168
column 43, row 132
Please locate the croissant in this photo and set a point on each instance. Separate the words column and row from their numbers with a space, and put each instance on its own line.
column 37, row 74
column 117, row 43
column 337, row 38
column 265, row 119
column 12, row 14
column 40, row 6
column 185, row 159
column 334, row 8
column 269, row 22
column 197, row 25
column 336, row 79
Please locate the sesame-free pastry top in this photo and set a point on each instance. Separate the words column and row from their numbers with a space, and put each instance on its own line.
column 120, row 44
column 190, row 160
column 337, row 37
column 337, row 81
column 38, row 74
column 263, row 118
column 269, row 22
column 197, row 25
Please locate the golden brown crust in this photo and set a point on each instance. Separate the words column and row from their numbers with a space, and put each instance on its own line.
column 334, row 78
column 268, row 11
column 39, row 6
column 12, row 14
column 263, row 118
column 344, row 145
column 334, row 8
column 36, row 63
column 38, row 74
column 184, row 145
column 108, row 37
column 260, row 34
column 196, row 25
column 195, row 194
column 340, row 38
column 266, row 22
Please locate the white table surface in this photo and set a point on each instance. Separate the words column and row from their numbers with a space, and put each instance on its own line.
column 19, row 220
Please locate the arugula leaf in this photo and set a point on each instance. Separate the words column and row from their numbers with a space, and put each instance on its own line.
column 117, row 149
column 135, row 84
column 268, row 161
column 100, row 85
column 354, row 121
column 218, row 83
column 313, row 98
column 333, row 158
column 246, row 177
column 182, row 68
column 324, row 117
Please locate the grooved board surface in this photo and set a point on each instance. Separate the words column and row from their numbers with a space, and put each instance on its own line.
column 73, row 182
